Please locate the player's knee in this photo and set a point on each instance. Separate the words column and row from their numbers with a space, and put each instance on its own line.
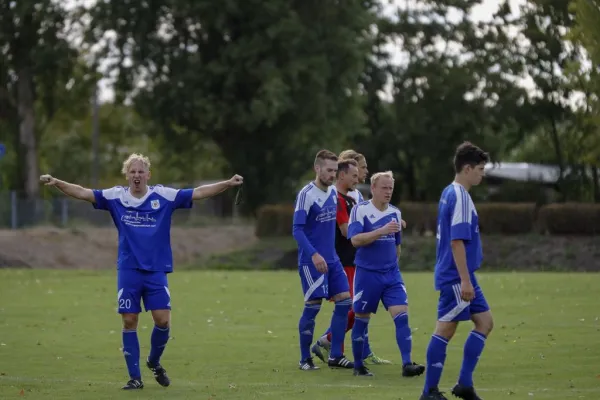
column 362, row 315
column 313, row 302
column 130, row 321
column 484, row 323
column 446, row 329
column 161, row 318
column 341, row 296
column 397, row 310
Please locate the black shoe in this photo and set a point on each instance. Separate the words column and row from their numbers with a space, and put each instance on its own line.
column 362, row 371
column 434, row 394
column 133, row 384
column 340, row 362
column 308, row 365
column 159, row 374
column 465, row 392
column 412, row 369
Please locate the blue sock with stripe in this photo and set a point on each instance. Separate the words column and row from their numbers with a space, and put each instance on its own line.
column 473, row 349
column 131, row 351
column 359, row 335
column 436, row 357
column 158, row 342
column 339, row 321
column 306, row 328
column 403, row 337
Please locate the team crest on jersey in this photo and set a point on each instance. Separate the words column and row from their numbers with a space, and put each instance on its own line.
column 155, row 204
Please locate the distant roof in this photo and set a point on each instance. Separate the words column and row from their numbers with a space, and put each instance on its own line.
column 523, row 171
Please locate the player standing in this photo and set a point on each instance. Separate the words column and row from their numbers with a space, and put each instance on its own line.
column 348, row 176
column 375, row 230
column 321, row 272
column 459, row 255
column 142, row 216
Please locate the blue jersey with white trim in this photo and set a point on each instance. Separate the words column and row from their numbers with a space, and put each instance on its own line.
column 144, row 224
column 314, row 223
column 380, row 255
column 457, row 220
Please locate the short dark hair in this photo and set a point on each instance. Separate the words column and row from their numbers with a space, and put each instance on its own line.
column 344, row 165
column 469, row 154
column 323, row 155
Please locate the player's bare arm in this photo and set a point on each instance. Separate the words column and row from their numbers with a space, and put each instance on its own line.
column 366, row 238
column 460, row 258
column 344, row 229
column 70, row 189
column 206, row 191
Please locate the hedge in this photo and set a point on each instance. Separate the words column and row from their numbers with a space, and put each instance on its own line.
column 494, row 218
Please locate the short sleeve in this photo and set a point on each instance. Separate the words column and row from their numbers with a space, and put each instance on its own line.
column 178, row 198
column 342, row 216
column 356, row 224
column 103, row 197
column 183, row 198
column 459, row 202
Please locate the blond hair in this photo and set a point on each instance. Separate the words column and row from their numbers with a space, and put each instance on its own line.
column 351, row 155
column 133, row 157
column 375, row 177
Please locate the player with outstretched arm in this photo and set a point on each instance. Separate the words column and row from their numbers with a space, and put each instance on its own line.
column 142, row 216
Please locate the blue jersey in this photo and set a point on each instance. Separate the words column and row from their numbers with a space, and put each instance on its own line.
column 457, row 220
column 143, row 224
column 381, row 254
column 314, row 223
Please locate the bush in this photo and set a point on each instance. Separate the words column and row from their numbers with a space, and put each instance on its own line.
column 420, row 217
column 274, row 220
column 506, row 218
column 494, row 218
column 570, row 218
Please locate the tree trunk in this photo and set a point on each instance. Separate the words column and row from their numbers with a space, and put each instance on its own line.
column 559, row 158
column 595, row 184
column 27, row 137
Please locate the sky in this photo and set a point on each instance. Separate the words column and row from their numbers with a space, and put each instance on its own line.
column 480, row 13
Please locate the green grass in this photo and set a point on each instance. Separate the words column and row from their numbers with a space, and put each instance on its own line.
column 235, row 337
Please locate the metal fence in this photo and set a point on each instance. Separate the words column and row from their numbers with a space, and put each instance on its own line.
column 17, row 211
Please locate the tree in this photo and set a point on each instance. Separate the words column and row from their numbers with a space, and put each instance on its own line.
column 35, row 57
column 269, row 82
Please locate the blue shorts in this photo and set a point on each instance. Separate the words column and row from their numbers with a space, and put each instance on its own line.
column 372, row 286
column 316, row 285
column 133, row 285
column 451, row 308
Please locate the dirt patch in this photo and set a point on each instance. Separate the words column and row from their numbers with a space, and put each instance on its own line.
column 96, row 248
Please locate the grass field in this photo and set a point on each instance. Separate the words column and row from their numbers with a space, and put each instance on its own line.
column 235, row 337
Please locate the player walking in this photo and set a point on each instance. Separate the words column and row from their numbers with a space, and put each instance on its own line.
column 375, row 230
column 321, row 272
column 459, row 255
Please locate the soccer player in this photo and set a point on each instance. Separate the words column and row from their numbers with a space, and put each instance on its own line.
column 375, row 231
column 347, row 179
column 142, row 216
column 321, row 273
column 459, row 255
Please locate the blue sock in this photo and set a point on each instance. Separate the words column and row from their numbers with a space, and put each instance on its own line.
column 339, row 321
column 473, row 348
column 359, row 335
column 158, row 342
column 306, row 328
column 403, row 337
column 436, row 356
column 131, row 351
column 367, row 349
